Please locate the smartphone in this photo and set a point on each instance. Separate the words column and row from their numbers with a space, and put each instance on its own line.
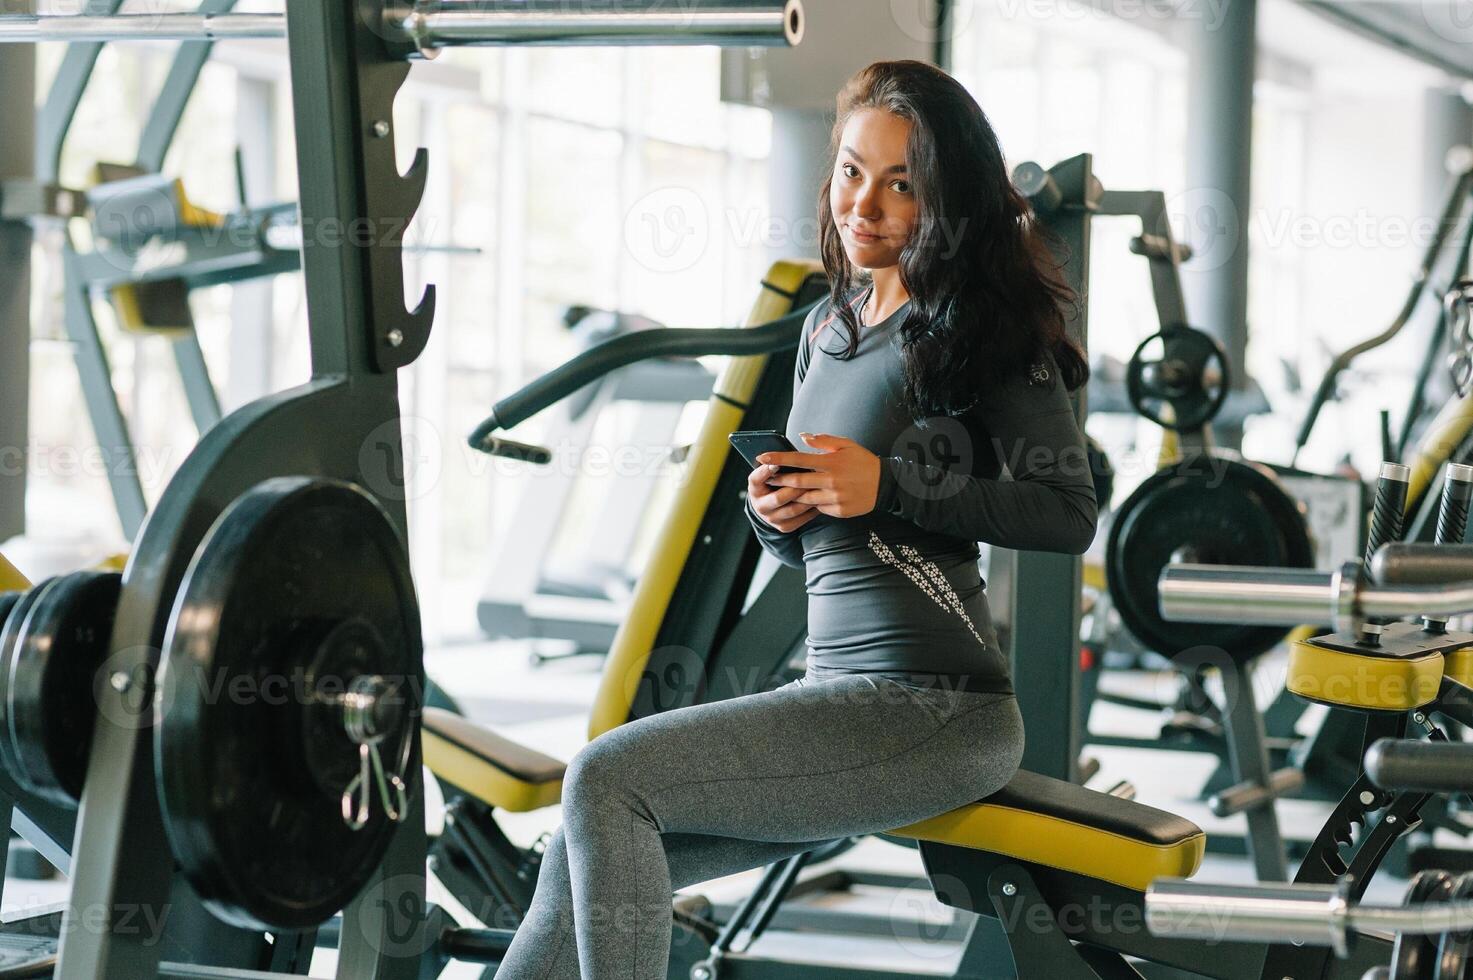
column 754, row 442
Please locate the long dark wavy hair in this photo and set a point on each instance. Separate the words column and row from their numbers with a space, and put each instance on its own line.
column 987, row 295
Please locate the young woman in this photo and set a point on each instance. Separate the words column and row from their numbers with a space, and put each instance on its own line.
column 940, row 358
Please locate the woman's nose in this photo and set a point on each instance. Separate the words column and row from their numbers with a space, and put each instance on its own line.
column 867, row 202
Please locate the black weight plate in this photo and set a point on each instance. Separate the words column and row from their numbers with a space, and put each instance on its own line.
column 1414, row 957
column 10, row 629
column 7, row 603
column 254, row 817
column 1170, row 368
column 47, row 688
column 1455, row 949
column 1207, row 510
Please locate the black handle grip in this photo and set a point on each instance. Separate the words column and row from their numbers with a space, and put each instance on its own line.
column 524, row 451
column 1452, row 516
column 596, row 362
column 1400, row 764
column 1388, row 515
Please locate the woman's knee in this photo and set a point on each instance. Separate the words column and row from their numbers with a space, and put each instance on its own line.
column 600, row 768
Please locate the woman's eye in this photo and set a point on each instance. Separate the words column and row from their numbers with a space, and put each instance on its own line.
column 850, row 170
column 903, row 186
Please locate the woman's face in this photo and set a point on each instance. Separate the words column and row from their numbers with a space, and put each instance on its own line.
column 871, row 196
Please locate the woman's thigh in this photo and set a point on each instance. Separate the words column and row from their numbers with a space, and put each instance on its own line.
column 808, row 761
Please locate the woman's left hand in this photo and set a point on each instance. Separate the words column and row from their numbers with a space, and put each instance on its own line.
column 845, row 481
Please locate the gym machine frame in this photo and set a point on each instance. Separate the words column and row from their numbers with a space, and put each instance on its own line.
column 342, row 425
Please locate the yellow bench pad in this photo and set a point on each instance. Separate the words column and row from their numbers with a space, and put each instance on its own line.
column 491, row 767
column 1060, row 825
column 1366, row 681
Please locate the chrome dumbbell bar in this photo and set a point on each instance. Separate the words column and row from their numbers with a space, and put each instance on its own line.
column 429, row 26
column 1320, row 915
column 1291, row 597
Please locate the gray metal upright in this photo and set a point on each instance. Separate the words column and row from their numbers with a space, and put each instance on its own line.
column 1217, row 201
column 1036, row 595
column 1447, row 124
column 18, row 123
column 800, row 147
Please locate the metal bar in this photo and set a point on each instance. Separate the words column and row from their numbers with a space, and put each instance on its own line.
column 743, row 915
column 502, row 21
column 776, row 896
column 194, row 373
column 1315, row 914
column 1250, row 763
column 1237, row 594
column 108, row 424
column 1407, row 765
column 31, row 29
column 755, row 22
column 1422, row 564
column 476, row 945
column 1290, row 597
column 433, row 25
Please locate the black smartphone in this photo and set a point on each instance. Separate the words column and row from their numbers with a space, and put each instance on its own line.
column 754, row 442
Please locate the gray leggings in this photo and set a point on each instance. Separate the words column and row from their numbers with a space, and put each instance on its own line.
column 698, row 793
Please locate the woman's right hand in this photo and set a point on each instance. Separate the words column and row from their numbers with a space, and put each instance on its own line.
column 777, row 505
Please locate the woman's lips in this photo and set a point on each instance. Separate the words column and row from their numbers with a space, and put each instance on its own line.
column 863, row 237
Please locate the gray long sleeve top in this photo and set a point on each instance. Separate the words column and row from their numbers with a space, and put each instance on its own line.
column 897, row 591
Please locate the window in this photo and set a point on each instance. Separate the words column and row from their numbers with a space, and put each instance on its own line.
column 1057, row 78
